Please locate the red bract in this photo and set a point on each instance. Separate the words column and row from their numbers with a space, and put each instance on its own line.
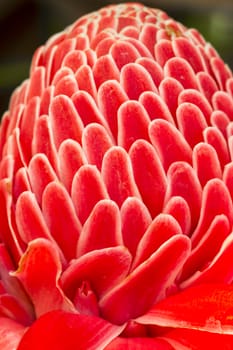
column 116, row 187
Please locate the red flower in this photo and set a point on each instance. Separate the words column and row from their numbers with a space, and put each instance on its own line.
column 116, row 187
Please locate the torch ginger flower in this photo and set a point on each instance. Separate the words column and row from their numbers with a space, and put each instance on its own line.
column 116, row 187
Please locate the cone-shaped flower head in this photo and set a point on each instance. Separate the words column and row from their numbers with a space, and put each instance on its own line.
column 116, row 188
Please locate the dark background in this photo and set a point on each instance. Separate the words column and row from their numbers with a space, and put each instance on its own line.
column 26, row 24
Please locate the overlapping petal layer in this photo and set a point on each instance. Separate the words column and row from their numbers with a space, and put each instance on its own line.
column 116, row 190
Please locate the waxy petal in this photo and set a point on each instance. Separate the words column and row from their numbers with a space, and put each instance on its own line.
column 163, row 51
column 42, row 141
column 87, row 189
column 153, row 68
column 169, row 143
column 60, row 75
column 215, row 200
column 179, row 69
column 14, row 147
column 214, row 137
column 179, row 209
column 103, row 269
column 86, row 81
column 62, row 330
column 66, row 86
column 41, row 280
column 157, row 273
column 178, row 174
column 149, row 175
column 207, row 85
column 87, row 109
column 21, row 183
column 102, row 39
column 148, row 36
column 106, row 21
column 46, row 99
column 40, row 174
column 135, row 80
column 61, row 219
column 102, row 228
column 142, row 49
column 195, row 97
column 66, row 122
column 135, row 219
column 104, row 69
column 184, row 48
column 206, row 163
column 189, row 116
column 123, row 53
column 196, row 36
column 117, row 174
column 60, row 53
column 222, row 101
column 125, row 21
column 221, row 72
column 29, row 117
column 159, row 231
column 133, row 122
column 71, row 158
column 204, row 307
column 202, row 255
column 96, row 141
column 104, row 43
column 37, row 82
column 221, row 121
column 74, row 60
column 155, row 106
column 29, row 219
column 212, row 271
column 110, row 96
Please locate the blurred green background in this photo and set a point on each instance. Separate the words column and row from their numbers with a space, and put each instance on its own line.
column 26, row 24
